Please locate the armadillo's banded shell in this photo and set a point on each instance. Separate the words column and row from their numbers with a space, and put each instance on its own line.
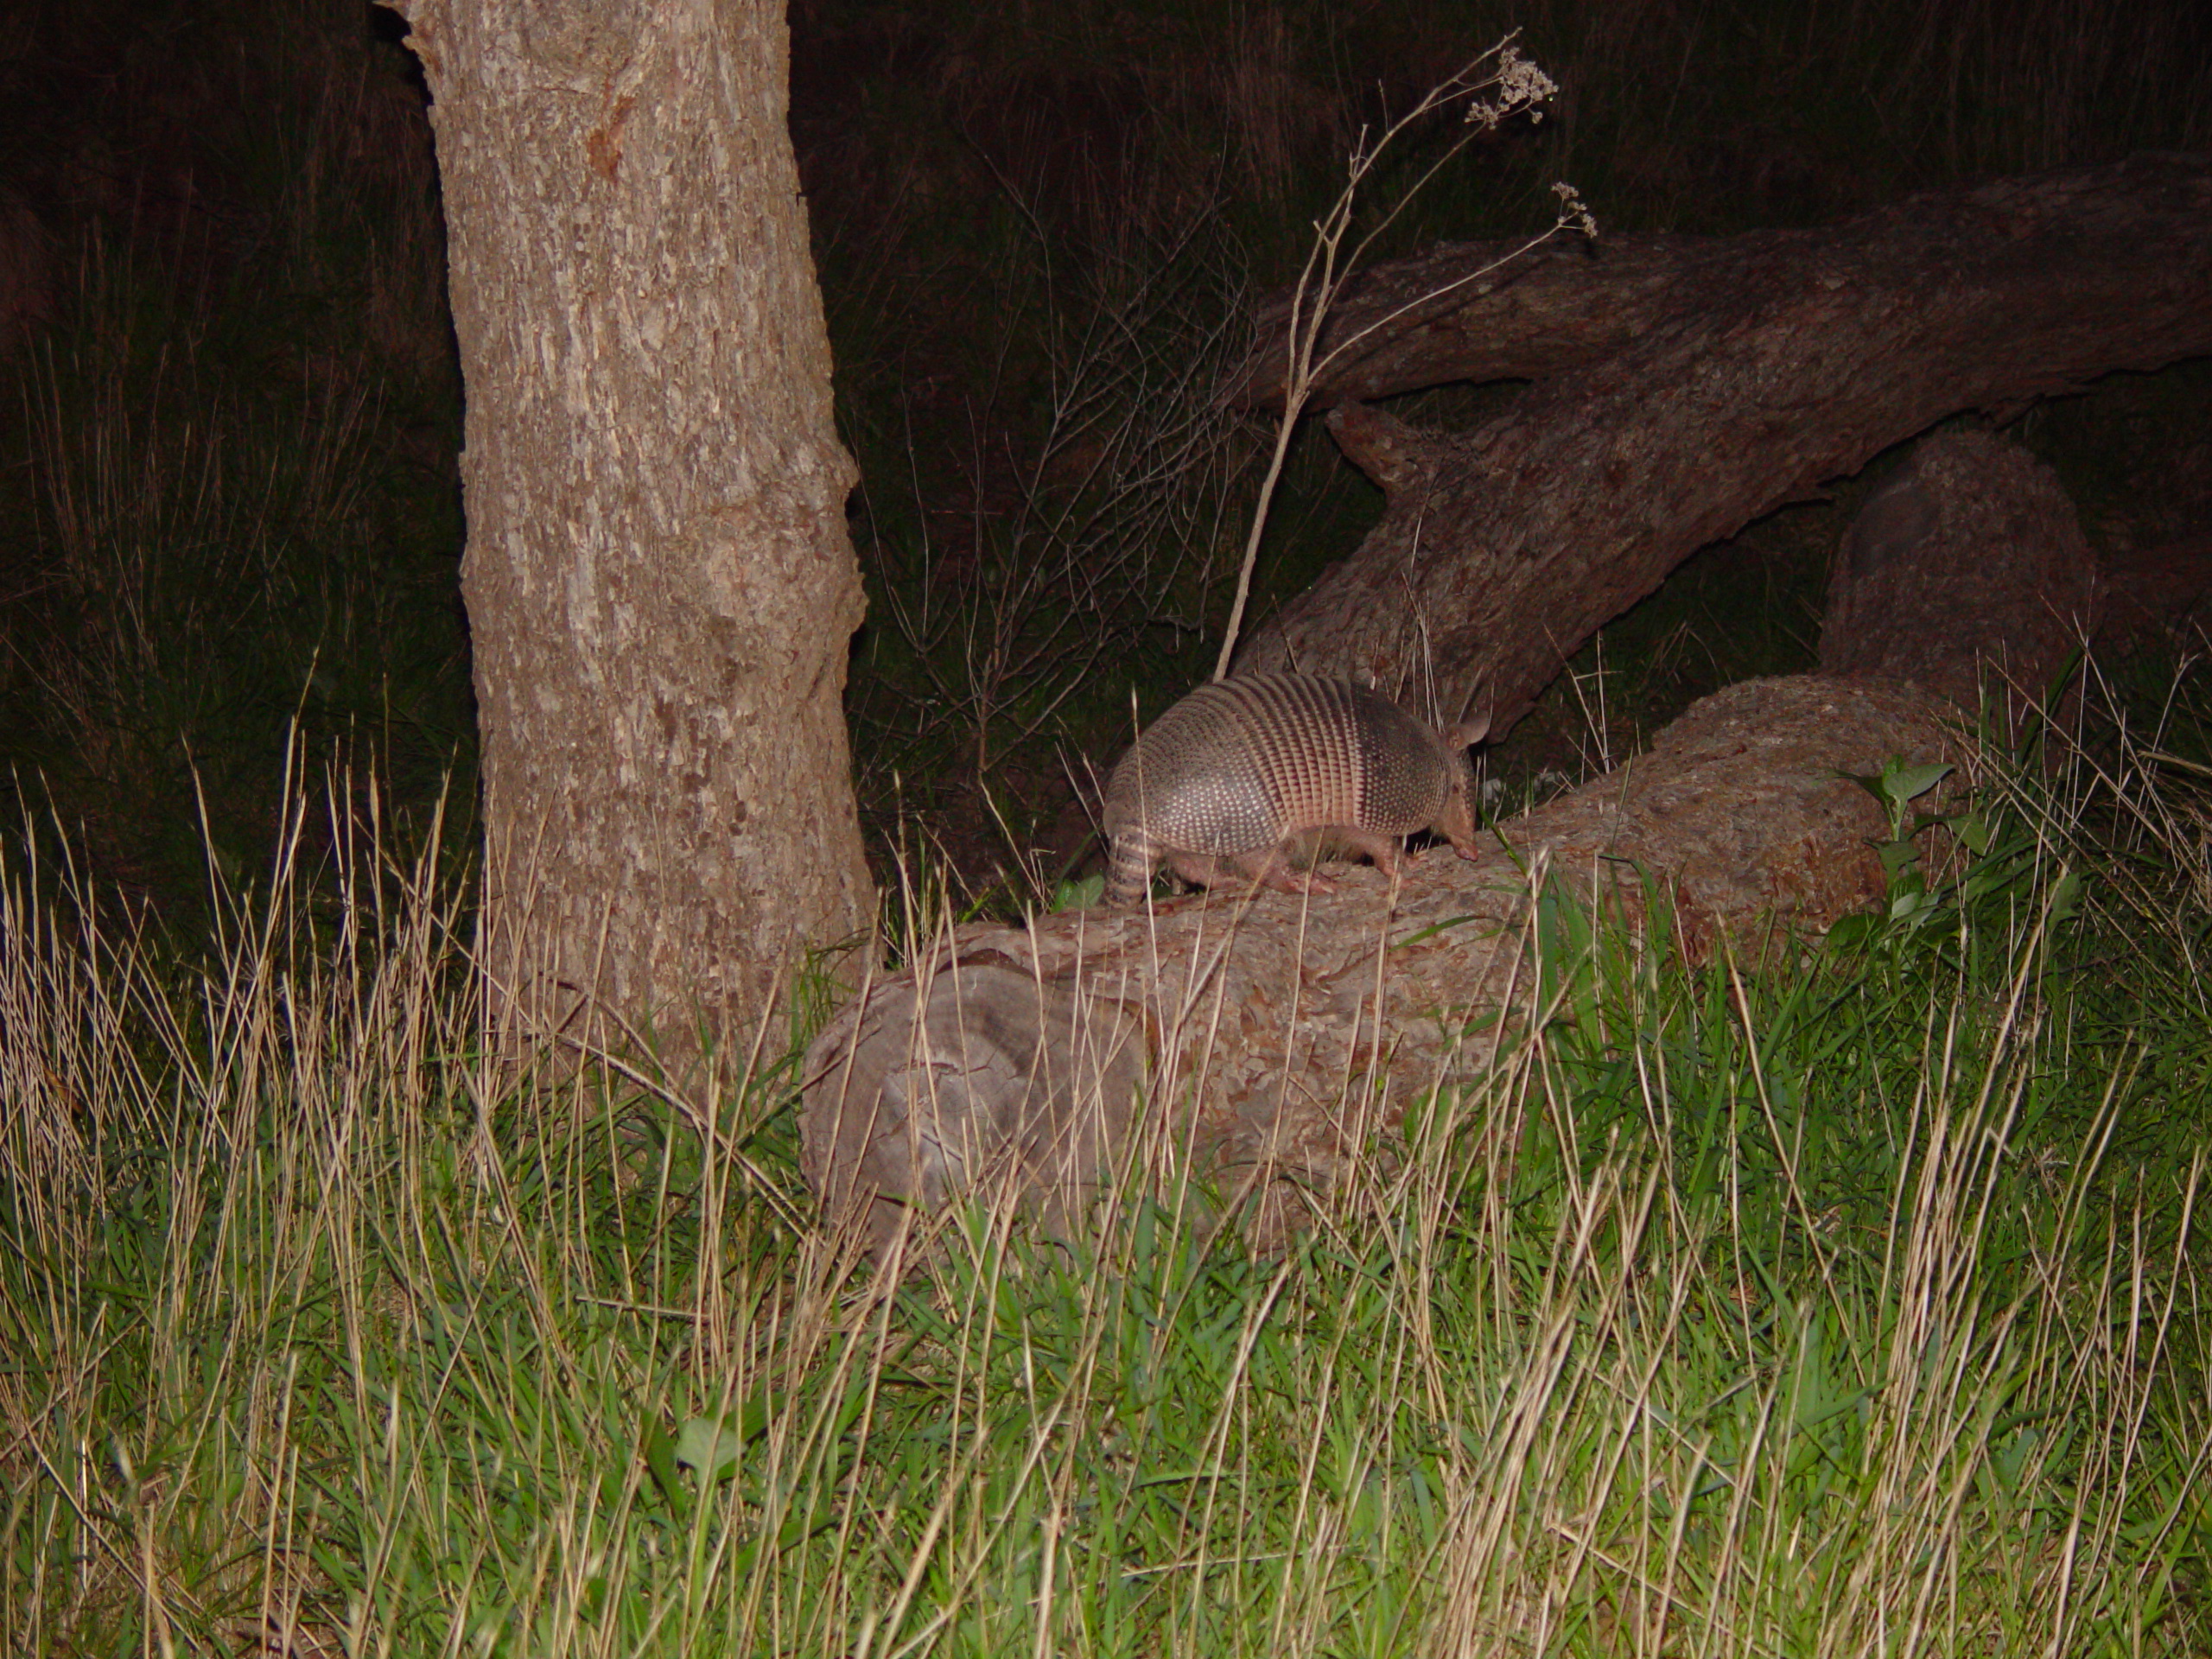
column 1243, row 764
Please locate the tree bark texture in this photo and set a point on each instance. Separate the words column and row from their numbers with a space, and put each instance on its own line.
column 1966, row 573
column 1270, row 1037
column 659, row 581
column 1687, row 386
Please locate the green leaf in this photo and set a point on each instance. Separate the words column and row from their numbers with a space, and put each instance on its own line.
column 1868, row 781
column 1851, row 931
column 660, row 1461
column 1898, row 858
column 2065, row 898
column 1902, row 783
column 1079, row 894
column 708, row 1446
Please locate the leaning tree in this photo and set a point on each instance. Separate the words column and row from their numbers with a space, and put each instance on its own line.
column 1682, row 386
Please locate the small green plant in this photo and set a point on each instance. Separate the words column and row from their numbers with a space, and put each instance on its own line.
column 1896, row 787
column 1079, row 893
column 1991, row 857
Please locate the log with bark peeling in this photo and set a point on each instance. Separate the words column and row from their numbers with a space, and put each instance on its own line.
column 1688, row 386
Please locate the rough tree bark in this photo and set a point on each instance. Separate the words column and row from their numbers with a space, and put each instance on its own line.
column 1707, row 382
column 1967, row 574
column 659, row 582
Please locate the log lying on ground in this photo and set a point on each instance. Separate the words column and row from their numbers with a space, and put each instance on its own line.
column 1263, row 1041
column 1480, row 311
column 1269, row 1036
column 1753, row 368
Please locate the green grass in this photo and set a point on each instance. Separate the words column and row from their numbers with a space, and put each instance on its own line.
column 1846, row 1304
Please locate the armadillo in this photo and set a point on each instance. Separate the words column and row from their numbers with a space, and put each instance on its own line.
column 1245, row 777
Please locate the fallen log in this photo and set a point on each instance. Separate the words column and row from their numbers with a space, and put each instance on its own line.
column 1750, row 371
column 1269, row 1036
column 1262, row 1041
column 1481, row 311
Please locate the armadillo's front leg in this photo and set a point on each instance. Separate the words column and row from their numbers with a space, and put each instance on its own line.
column 1355, row 842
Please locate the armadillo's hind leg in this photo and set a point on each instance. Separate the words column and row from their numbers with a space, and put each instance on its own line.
column 1271, row 866
column 1266, row 867
column 1202, row 870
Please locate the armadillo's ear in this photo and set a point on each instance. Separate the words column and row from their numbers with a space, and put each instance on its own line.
column 1467, row 734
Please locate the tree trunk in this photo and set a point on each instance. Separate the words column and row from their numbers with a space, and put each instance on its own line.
column 1693, row 384
column 659, row 582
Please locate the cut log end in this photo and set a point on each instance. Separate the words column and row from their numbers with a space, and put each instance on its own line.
column 967, row 1080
